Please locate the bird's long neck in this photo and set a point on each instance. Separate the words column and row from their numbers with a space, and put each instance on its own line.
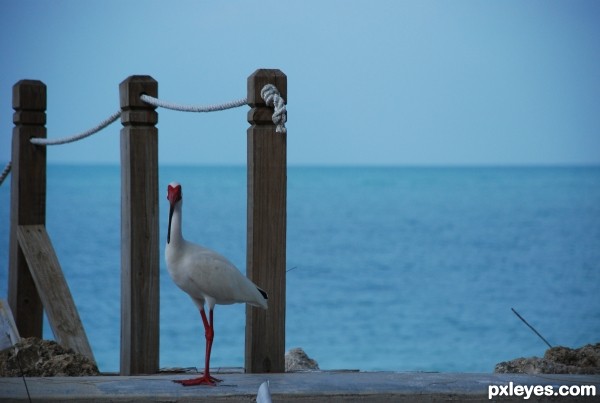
column 176, row 234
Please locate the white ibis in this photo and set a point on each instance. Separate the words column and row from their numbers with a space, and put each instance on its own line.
column 206, row 276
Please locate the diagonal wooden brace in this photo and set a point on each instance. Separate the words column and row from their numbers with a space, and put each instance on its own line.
column 53, row 289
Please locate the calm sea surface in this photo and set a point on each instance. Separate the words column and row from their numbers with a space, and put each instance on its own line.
column 393, row 268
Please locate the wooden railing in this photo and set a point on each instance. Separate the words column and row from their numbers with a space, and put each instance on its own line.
column 36, row 281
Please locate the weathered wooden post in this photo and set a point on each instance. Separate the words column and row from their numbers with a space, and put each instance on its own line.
column 266, row 238
column 28, row 200
column 139, row 228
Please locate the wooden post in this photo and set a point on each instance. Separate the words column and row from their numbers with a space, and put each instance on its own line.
column 266, row 238
column 28, row 200
column 139, row 228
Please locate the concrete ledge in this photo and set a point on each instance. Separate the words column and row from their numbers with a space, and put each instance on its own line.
column 333, row 386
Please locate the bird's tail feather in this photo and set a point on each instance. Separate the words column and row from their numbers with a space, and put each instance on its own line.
column 262, row 301
column 263, row 292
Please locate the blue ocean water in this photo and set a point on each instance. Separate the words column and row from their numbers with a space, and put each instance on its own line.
column 394, row 268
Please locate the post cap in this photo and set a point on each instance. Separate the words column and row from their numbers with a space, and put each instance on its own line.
column 29, row 95
column 262, row 77
column 133, row 87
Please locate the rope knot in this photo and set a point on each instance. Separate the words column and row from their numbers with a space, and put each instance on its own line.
column 270, row 94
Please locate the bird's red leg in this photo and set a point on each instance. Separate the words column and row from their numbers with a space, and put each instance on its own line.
column 209, row 334
column 209, row 341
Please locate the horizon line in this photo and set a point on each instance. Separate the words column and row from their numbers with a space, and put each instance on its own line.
column 353, row 165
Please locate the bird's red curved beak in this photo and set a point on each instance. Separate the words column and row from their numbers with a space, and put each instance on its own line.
column 173, row 195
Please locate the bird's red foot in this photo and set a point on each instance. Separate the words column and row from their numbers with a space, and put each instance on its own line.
column 203, row 380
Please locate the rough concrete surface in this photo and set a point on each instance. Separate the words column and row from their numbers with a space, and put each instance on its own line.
column 311, row 386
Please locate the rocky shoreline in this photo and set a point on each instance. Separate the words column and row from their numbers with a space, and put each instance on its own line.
column 557, row 360
column 35, row 357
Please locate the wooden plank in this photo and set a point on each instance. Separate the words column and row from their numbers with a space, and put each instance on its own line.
column 266, row 237
column 27, row 201
column 53, row 289
column 9, row 334
column 139, row 229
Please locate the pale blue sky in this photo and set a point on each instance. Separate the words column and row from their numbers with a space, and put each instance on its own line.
column 370, row 82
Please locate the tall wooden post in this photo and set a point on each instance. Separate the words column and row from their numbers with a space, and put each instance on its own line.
column 139, row 228
column 28, row 200
column 266, row 238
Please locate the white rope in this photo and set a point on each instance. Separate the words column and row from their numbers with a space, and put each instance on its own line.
column 270, row 94
column 70, row 139
column 193, row 108
column 6, row 171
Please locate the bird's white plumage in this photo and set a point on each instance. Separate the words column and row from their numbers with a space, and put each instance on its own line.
column 206, row 276
column 203, row 273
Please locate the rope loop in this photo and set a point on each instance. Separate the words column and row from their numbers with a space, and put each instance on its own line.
column 270, row 94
